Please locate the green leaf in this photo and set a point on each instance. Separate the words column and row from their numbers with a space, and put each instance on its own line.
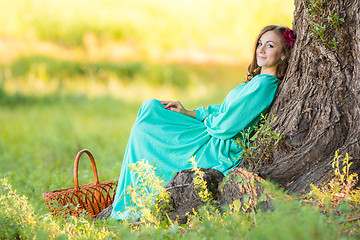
column 262, row 198
column 246, row 198
column 344, row 170
column 226, row 178
column 344, row 207
column 238, row 178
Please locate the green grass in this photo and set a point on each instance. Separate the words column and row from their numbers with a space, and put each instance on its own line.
column 40, row 138
column 73, row 75
column 40, row 134
column 39, row 75
column 289, row 220
column 52, row 68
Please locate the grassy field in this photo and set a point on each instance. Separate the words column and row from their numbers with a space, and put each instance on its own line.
column 38, row 144
column 73, row 75
column 40, row 136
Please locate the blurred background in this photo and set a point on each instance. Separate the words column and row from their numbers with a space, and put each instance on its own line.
column 74, row 73
column 119, row 48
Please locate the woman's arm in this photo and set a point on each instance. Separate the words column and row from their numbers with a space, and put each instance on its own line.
column 242, row 110
column 200, row 113
column 176, row 106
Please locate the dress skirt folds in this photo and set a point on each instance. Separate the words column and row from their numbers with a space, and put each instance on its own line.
column 169, row 139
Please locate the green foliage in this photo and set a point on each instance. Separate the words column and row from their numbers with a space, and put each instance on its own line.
column 346, row 179
column 18, row 221
column 38, row 78
column 47, row 68
column 338, row 199
column 253, row 141
column 39, row 140
column 248, row 203
column 340, row 187
column 212, row 224
column 16, row 215
column 81, row 228
column 149, row 199
column 40, row 137
column 200, row 183
column 292, row 220
column 324, row 23
column 334, row 20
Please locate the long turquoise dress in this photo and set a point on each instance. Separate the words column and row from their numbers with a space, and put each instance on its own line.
column 169, row 139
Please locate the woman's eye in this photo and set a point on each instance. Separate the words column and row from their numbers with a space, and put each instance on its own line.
column 259, row 44
column 270, row 45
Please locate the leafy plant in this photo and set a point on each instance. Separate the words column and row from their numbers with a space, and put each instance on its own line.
column 323, row 26
column 262, row 135
column 200, row 183
column 334, row 20
column 292, row 220
column 149, row 197
column 18, row 221
column 338, row 198
column 16, row 215
column 347, row 180
column 339, row 188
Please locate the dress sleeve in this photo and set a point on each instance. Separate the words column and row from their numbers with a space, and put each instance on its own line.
column 201, row 113
column 243, row 110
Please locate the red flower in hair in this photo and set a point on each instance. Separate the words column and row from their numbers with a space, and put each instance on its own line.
column 289, row 37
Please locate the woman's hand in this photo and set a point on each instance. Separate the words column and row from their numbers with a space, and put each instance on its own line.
column 205, row 120
column 176, row 106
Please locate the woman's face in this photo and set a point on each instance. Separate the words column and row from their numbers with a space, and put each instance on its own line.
column 269, row 52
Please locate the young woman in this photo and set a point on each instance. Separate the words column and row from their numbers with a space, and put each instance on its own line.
column 168, row 135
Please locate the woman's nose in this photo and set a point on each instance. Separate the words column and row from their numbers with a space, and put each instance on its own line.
column 262, row 48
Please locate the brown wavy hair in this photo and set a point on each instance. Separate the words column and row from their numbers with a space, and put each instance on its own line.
column 254, row 68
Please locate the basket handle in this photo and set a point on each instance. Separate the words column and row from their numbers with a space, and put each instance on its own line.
column 76, row 164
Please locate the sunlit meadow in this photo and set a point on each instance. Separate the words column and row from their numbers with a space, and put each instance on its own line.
column 73, row 75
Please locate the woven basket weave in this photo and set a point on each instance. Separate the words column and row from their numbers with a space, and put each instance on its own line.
column 91, row 198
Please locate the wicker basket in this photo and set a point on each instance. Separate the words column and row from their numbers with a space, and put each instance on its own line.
column 91, row 198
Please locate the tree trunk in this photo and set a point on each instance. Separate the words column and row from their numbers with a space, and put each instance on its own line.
column 240, row 185
column 184, row 195
column 246, row 187
column 318, row 104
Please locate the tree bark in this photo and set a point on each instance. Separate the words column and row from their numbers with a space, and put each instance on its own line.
column 184, row 195
column 246, row 187
column 241, row 185
column 318, row 105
